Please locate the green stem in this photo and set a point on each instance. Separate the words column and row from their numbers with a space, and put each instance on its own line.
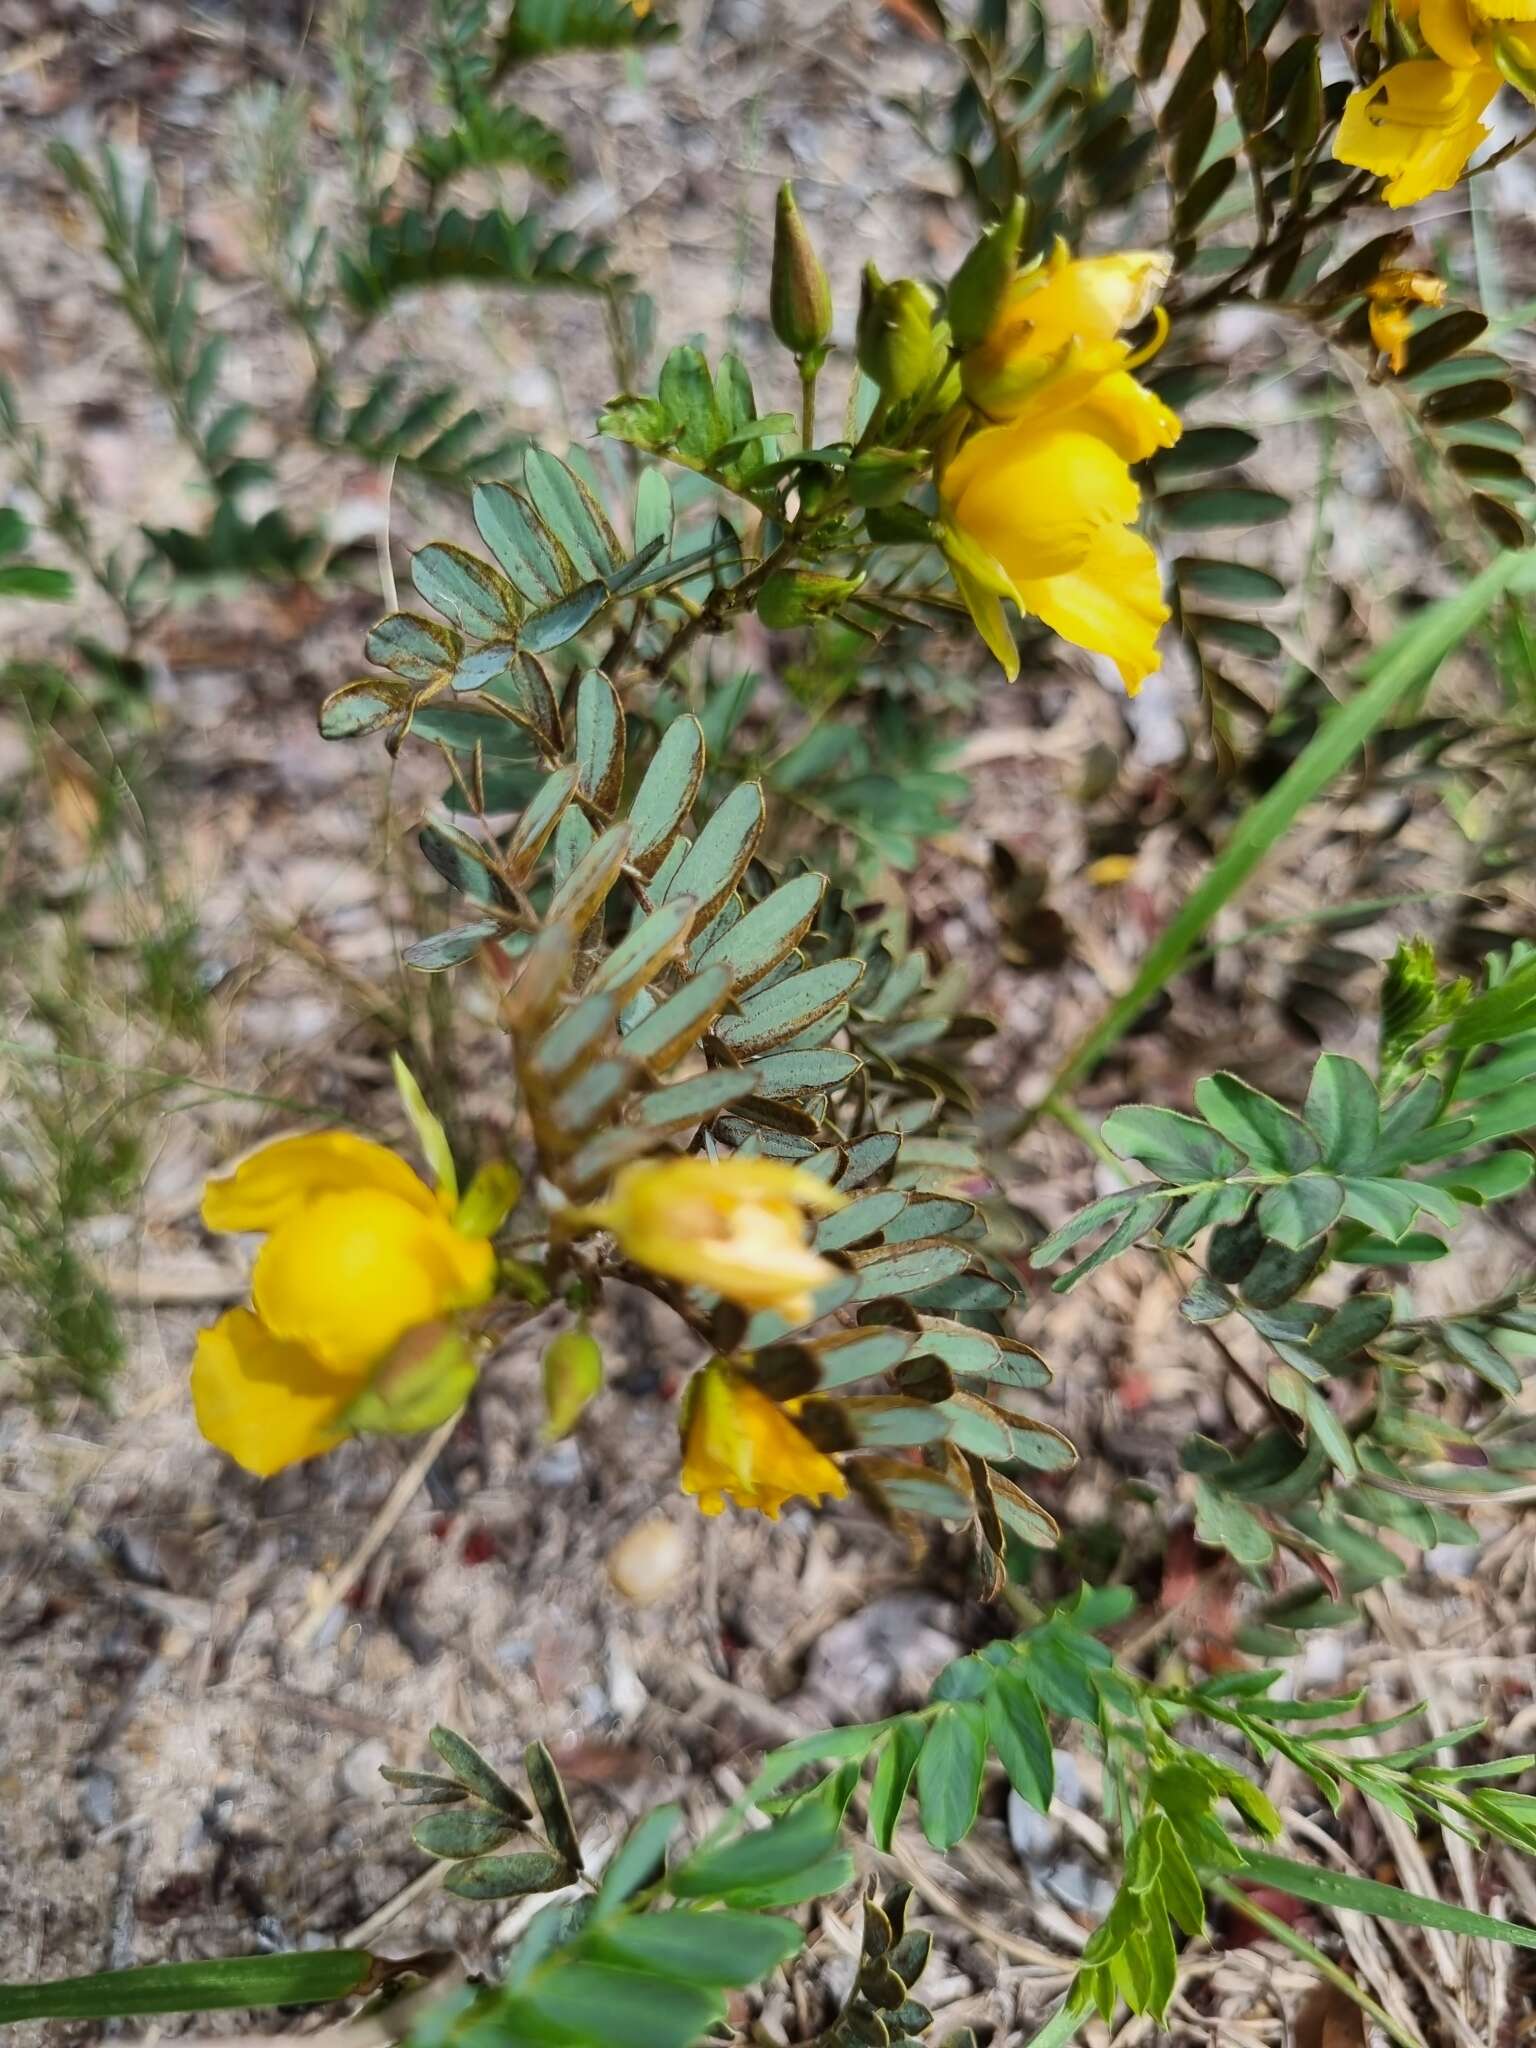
column 1062, row 2025
column 1072, row 1119
column 808, row 374
column 1298, row 1944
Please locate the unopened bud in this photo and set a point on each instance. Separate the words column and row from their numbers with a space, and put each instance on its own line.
column 979, row 286
column 898, row 347
column 425, row 1379
column 573, row 1372
column 883, row 476
column 488, row 1200
column 799, row 297
column 791, row 597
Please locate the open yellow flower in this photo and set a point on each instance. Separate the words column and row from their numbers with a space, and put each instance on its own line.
column 1419, row 123
column 1057, row 331
column 359, row 1256
column 1039, row 512
column 738, row 1444
column 735, row 1226
column 1417, row 126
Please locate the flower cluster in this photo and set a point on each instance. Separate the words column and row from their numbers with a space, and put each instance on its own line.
column 354, row 1295
column 1035, row 487
column 360, row 1287
column 1418, row 124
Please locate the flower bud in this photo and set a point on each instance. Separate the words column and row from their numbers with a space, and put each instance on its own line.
column 791, row 597
column 799, row 297
column 424, row 1380
column 979, row 286
column 573, row 1373
column 898, row 346
column 489, row 1199
column 883, row 476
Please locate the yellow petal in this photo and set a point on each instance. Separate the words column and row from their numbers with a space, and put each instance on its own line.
column 1033, row 496
column 1112, row 604
column 351, row 1273
column 1449, row 27
column 1133, row 420
column 1055, row 335
column 1094, row 298
column 1391, row 327
column 735, row 1226
column 1417, row 126
column 739, row 1445
column 283, row 1177
column 265, row 1403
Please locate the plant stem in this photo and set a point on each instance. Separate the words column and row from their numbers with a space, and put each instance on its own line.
column 1062, row 2025
column 808, row 374
column 722, row 601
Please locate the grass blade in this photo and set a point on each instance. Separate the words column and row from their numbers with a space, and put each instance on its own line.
column 1350, row 1894
column 1394, row 672
column 228, row 1983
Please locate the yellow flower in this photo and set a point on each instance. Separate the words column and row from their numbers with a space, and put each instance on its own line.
column 1417, row 125
column 1057, row 331
column 1039, row 511
column 735, row 1226
column 738, row 1444
column 359, row 1255
column 1390, row 298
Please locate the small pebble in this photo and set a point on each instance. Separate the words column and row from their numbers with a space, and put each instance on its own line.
column 646, row 1564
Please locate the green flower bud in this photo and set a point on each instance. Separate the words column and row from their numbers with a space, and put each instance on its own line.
column 883, row 476
column 488, row 1200
column 573, row 1373
column 425, row 1379
column 898, row 346
column 791, row 597
column 979, row 286
column 799, row 297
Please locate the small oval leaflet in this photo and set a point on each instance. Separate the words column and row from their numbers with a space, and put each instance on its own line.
column 599, row 742
column 417, row 650
column 666, row 793
column 510, row 1877
column 465, row 590
column 448, row 949
column 717, row 859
